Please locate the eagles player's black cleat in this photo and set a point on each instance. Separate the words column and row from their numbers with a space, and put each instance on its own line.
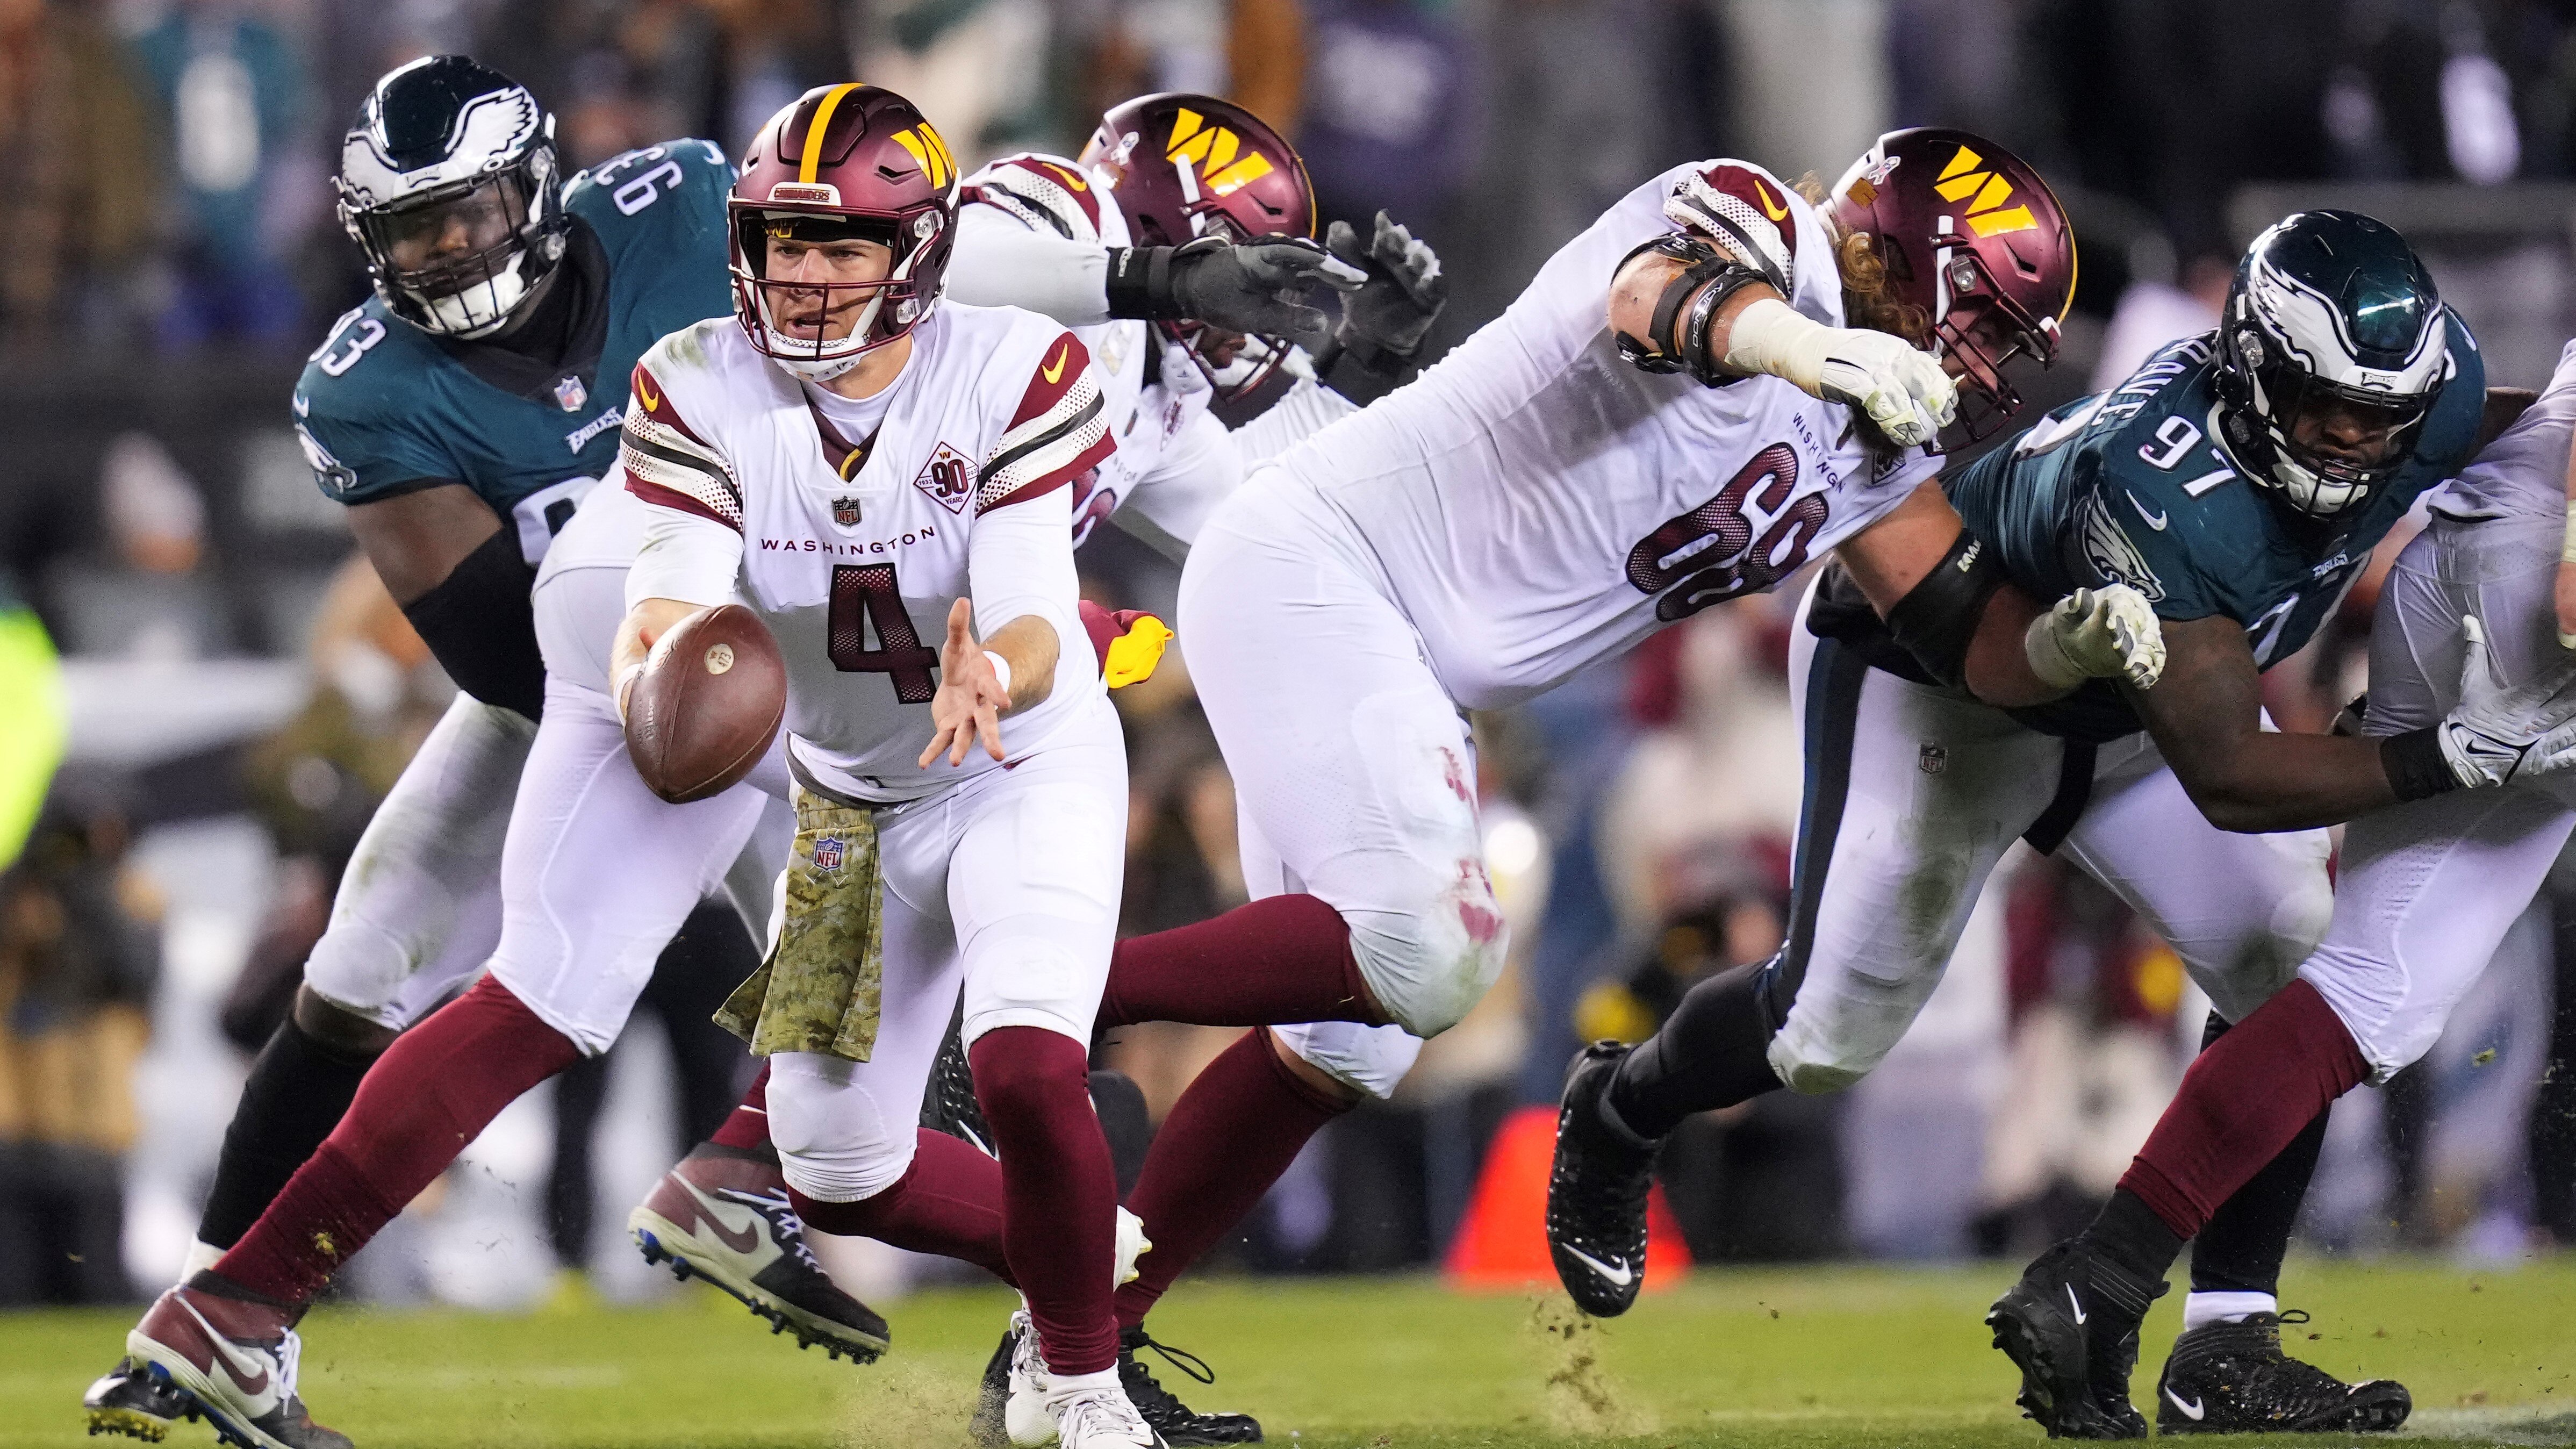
column 2071, row 1326
column 1596, row 1191
column 1178, row 1423
column 127, row 1401
column 2233, row 1378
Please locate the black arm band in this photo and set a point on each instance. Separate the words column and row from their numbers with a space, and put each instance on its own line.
column 1140, row 283
column 2415, row 764
column 1937, row 619
column 1677, row 341
column 480, row 624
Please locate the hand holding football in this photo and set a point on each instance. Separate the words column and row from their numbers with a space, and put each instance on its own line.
column 707, row 705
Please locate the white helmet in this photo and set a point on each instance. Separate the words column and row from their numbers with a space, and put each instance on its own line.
column 454, row 163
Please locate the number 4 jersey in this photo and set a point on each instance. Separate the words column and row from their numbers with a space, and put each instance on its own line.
column 1536, row 502
column 853, row 549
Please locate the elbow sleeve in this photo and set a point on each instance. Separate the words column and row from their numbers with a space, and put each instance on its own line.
column 1937, row 619
column 480, row 625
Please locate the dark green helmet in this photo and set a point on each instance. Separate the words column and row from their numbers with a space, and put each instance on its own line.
column 2332, row 350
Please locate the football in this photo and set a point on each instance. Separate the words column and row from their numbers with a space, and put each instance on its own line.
column 707, row 705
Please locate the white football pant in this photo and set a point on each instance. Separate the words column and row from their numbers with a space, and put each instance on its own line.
column 1913, row 794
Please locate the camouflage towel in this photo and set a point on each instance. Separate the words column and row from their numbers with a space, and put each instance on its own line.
column 823, row 986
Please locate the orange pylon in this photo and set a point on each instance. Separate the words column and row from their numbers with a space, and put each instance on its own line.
column 1502, row 1241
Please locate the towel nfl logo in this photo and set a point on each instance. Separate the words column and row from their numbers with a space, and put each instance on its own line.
column 827, row 853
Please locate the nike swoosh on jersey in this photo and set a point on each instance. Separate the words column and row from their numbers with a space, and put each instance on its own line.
column 736, row 1226
column 1055, row 369
column 2155, row 521
column 1763, row 194
column 231, row 1359
column 2191, row 1411
column 1622, row 1275
column 2075, row 1303
column 1069, row 178
column 644, row 390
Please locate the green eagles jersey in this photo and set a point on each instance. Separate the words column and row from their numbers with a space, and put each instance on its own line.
column 2133, row 486
column 384, row 407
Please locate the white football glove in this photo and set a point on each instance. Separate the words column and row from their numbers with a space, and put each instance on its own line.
column 2498, row 733
column 2105, row 633
column 1900, row 389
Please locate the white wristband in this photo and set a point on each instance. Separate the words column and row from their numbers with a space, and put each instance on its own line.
column 625, row 685
column 2567, row 549
column 1002, row 668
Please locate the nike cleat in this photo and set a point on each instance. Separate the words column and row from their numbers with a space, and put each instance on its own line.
column 1010, row 1404
column 948, row 1105
column 1177, row 1422
column 1596, row 1191
column 1097, row 1416
column 2071, row 1326
column 234, row 1360
column 2233, row 1378
column 1007, row 1402
column 722, row 1215
column 128, row 1400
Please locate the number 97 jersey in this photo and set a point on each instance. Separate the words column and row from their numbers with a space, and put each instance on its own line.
column 853, row 549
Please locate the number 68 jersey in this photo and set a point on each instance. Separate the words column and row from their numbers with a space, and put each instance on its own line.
column 852, row 550
column 1535, row 502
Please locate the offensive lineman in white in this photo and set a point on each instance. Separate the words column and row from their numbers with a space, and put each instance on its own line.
column 1550, row 493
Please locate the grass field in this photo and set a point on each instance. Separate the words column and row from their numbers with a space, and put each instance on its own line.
column 1874, row 1356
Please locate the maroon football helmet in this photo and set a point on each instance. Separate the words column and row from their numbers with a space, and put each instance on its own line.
column 1186, row 166
column 1972, row 235
column 843, row 161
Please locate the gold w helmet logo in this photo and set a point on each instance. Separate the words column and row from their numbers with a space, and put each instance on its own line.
column 930, row 153
column 1987, row 215
column 1216, row 153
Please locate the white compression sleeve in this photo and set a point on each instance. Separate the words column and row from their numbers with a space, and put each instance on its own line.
column 1001, row 263
column 1019, row 563
column 684, row 557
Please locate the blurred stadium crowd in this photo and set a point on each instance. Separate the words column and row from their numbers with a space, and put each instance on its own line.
column 240, row 690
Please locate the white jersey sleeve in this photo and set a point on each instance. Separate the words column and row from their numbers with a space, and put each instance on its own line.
column 2523, row 473
column 1197, row 468
column 1764, row 224
column 1033, row 232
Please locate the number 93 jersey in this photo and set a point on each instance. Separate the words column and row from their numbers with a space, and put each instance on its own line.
column 852, row 550
column 2134, row 486
column 1537, row 502
column 384, row 407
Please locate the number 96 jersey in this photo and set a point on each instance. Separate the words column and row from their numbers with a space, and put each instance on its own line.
column 852, row 550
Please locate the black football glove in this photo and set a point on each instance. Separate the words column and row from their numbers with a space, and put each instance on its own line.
column 1257, row 288
column 1403, row 296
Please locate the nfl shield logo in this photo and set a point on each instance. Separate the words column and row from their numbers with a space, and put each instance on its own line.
column 571, row 394
column 1934, row 759
column 845, row 512
column 827, row 854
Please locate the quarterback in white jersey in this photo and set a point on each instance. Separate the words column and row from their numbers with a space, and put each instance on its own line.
column 868, row 470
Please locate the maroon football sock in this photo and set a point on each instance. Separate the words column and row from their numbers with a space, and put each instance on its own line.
column 1278, row 960
column 440, row 1084
column 1059, row 1189
column 747, row 1129
column 1227, row 1139
column 2241, row 1103
column 948, row 1202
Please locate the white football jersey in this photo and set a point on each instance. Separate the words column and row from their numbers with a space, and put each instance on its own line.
column 1173, row 465
column 1538, row 503
column 853, row 550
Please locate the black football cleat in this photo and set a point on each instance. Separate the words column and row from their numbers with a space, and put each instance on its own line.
column 1179, row 1424
column 2233, row 1378
column 948, row 1103
column 1596, row 1191
column 2071, row 1326
column 723, row 1215
column 127, row 1400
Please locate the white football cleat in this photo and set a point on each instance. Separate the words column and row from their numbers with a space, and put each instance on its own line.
column 1092, row 1411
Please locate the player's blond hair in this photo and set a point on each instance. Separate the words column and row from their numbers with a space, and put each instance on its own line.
column 1868, row 301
